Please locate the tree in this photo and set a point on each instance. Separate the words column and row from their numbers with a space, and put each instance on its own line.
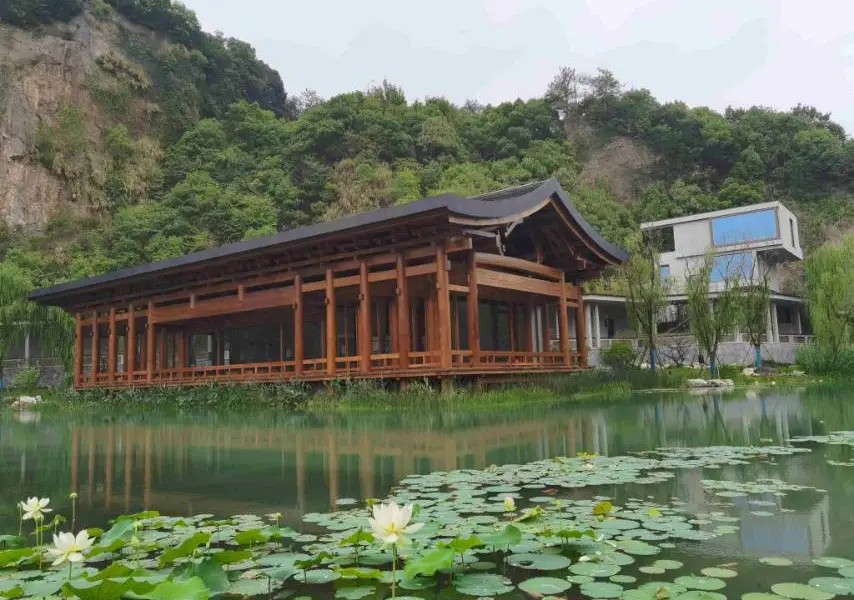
column 646, row 292
column 754, row 299
column 830, row 290
column 19, row 317
column 712, row 316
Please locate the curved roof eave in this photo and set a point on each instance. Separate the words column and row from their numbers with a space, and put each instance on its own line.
column 508, row 206
column 504, row 204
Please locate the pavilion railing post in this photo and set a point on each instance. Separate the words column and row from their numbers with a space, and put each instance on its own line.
column 149, row 344
column 580, row 335
column 403, row 332
column 131, row 344
column 443, row 307
column 78, row 351
column 331, row 340
column 298, row 325
column 365, row 339
column 96, row 347
column 111, row 348
column 563, row 319
column 473, row 319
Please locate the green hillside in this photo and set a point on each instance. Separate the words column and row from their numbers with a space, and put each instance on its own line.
column 199, row 145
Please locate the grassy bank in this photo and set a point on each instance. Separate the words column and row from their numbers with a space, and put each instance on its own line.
column 357, row 395
column 598, row 386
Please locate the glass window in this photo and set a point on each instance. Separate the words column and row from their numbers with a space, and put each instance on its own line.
column 728, row 266
column 661, row 239
column 746, row 227
column 665, row 271
column 792, row 231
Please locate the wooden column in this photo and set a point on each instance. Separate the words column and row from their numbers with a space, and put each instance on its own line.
column 330, row 323
column 548, row 333
column 131, row 342
column 111, row 348
column 96, row 347
column 78, row 351
column 529, row 326
column 365, row 339
column 298, row 325
column 180, row 350
column 161, row 350
column 149, row 343
column 473, row 317
column 443, row 307
column 404, row 342
column 580, row 337
column 563, row 322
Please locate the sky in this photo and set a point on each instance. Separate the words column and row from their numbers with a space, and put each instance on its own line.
column 774, row 53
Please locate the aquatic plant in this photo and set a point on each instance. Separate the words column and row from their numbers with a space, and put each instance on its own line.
column 465, row 541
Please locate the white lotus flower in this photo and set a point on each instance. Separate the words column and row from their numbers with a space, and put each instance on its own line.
column 67, row 547
column 390, row 522
column 509, row 503
column 35, row 508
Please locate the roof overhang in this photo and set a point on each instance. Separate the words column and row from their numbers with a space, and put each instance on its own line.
column 486, row 211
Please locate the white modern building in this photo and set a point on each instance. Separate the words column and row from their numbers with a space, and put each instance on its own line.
column 751, row 242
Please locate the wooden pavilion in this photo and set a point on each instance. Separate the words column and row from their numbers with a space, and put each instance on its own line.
column 442, row 287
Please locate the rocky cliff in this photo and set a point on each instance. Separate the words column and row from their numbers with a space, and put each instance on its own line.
column 51, row 122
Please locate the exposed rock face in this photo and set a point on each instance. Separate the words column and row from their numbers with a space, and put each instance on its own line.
column 40, row 73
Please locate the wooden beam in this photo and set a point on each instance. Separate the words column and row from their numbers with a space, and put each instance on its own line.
column 111, row 348
column 298, row 325
column 365, row 339
column 443, row 307
column 96, row 348
column 510, row 281
column 472, row 305
column 78, row 351
column 331, row 337
column 130, row 361
column 402, row 292
column 580, row 337
column 563, row 321
column 518, row 264
column 285, row 271
column 149, row 343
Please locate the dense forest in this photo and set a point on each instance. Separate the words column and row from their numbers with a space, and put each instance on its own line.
column 229, row 155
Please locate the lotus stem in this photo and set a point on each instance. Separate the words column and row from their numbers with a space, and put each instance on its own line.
column 393, row 571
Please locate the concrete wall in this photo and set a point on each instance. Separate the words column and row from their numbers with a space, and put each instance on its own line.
column 51, row 373
column 729, row 353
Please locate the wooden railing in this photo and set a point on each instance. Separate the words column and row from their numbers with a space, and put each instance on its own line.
column 461, row 361
column 521, row 359
column 424, row 359
column 380, row 362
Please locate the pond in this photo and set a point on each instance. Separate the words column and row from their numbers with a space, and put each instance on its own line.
column 226, row 464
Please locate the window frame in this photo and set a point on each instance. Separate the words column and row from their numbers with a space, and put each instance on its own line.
column 775, row 235
column 746, row 276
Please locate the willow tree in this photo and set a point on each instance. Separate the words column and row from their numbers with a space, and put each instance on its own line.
column 712, row 316
column 646, row 291
column 830, row 290
column 753, row 315
column 19, row 317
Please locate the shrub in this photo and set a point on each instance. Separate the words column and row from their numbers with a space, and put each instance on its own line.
column 31, row 13
column 820, row 359
column 620, row 355
column 26, row 380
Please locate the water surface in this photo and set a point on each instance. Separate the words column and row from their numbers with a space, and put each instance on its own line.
column 227, row 463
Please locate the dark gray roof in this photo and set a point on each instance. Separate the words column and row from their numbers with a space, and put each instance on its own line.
column 494, row 205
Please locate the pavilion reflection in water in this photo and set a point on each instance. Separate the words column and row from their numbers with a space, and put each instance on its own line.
column 315, row 467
